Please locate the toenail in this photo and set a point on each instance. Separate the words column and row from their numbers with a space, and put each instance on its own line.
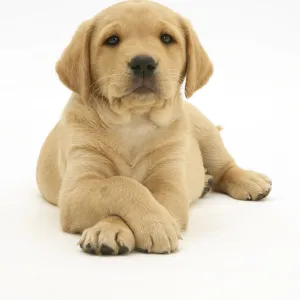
column 106, row 250
column 89, row 249
column 260, row 196
column 142, row 250
column 123, row 250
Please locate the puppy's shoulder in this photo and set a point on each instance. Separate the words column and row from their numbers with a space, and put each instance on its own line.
column 79, row 114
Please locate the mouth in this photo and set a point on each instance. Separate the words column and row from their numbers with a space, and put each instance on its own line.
column 141, row 87
column 143, row 90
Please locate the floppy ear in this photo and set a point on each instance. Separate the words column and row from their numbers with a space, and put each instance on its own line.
column 73, row 68
column 198, row 65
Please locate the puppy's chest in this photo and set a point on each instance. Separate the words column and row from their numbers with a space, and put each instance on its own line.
column 133, row 140
column 128, row 145
column 135, row 148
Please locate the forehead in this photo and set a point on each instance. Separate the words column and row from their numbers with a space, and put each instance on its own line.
column 134, row 15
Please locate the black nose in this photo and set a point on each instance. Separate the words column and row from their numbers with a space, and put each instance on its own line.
column 142, row 65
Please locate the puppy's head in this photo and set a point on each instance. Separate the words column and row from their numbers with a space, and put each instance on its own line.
column 136, row 55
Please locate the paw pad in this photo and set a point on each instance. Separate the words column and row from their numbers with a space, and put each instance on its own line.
column 207, row 186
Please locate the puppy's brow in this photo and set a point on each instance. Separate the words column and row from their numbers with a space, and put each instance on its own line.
column 113, row 28
column 168, row 27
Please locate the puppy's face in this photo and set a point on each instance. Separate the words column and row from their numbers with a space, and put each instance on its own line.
column 135, row 55
column 138, row 54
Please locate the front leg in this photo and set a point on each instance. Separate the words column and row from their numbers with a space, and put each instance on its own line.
column 167, row 184
column 112, row 212
column 228, row 178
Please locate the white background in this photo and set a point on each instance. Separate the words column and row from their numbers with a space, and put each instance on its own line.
column 233, row 249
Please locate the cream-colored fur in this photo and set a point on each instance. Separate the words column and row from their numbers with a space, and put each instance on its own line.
column 123, row 166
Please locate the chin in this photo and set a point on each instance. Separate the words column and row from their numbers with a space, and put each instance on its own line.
column 140, row 102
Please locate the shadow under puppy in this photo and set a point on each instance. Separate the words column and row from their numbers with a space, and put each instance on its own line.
column 128, row 156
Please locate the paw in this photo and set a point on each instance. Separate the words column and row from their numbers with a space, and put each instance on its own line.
column 158, row 233
column 107, row 238
column 207, row 185
column 244, row 185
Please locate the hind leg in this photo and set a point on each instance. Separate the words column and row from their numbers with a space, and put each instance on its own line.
column 228, row 177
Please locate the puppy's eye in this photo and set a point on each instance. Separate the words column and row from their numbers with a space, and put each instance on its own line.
column 112, row 41
column 166, row 38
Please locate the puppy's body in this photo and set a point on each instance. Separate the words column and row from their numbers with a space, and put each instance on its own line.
column 127, row 158
column 129, row 148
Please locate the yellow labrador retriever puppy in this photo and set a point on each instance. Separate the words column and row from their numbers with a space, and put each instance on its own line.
column 128, row 156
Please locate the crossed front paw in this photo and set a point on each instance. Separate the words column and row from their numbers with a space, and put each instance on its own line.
column 107, row 238
column 157, row 233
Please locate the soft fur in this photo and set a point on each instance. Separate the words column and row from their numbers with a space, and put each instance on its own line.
column 123, row 166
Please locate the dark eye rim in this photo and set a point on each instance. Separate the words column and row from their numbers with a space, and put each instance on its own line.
column 108, row 43
column 171, row 40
